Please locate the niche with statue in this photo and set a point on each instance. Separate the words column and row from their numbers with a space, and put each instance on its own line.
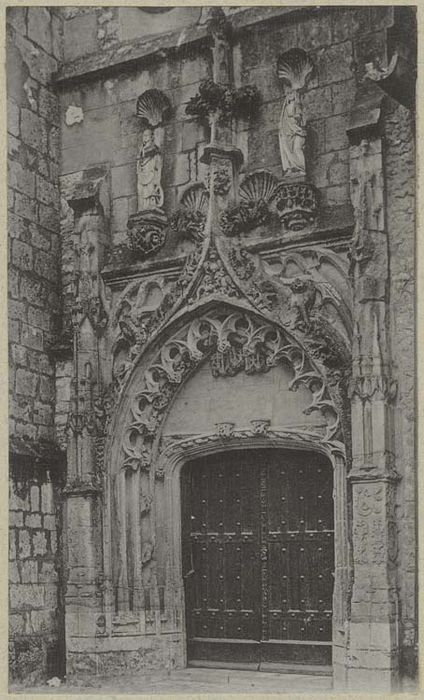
column 147, row 228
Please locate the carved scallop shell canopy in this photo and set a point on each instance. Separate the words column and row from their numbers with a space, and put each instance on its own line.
column 260, row 184
column 196, row 198
column 153, row 107
column 294, row 66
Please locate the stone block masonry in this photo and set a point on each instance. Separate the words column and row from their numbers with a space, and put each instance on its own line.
column 35, row 621
column 35, row 612
column 33, row 119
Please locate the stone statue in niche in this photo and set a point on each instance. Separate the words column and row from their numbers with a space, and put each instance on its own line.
column 147, row 227
column 150, row 192
column 294, row 66
column 292, row 135
column 153, row 108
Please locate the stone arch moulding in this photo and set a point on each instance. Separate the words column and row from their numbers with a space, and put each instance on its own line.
column 142, row 469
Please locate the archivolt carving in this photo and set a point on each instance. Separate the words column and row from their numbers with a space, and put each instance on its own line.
column 232, row 343
column 259, row 434
column 134, row 307
column 307, row 267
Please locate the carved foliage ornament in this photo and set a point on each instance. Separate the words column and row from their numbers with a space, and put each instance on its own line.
column 224, row 101
column 188, row 221
column 296, row 204
column 146, row 232
column 233, row 343
column 214, row 278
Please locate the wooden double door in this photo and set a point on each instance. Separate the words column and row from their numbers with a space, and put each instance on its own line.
column 258, row 557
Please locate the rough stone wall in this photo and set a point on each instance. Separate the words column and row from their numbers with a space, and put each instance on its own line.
column 109, row 133
column 400, row 184
column 34, row 152
column 334, row 39
column 33, row 51
column 35, row 618
column 90, row 29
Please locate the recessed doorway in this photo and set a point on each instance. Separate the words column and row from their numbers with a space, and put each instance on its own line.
column 258, row 558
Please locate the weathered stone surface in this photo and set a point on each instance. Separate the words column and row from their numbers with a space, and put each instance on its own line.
column 24, row 546
column 47, row 498
column 16, row 519
column 39, row 27
column 34, row 131
column 13, row 118
column 26, row 596
column 33, row 520
column 21, row 179
column 26, row 382
column 17, row 16
column 39, row 543
column 29, row 571
column 24, row 206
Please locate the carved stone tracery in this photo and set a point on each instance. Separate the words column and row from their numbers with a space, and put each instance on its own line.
column 232, row 343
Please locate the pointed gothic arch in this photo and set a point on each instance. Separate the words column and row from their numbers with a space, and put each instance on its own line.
column 142, row 552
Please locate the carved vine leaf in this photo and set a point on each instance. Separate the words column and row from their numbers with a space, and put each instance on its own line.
column 233, row 344
column 243, row 217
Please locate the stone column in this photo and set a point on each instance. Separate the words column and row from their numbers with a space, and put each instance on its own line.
column 223, row 158
column 84, row 488
column 373, row 653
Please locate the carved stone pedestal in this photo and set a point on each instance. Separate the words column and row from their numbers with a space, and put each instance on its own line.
column 297, row 205
column 374, row 608
column 146, row 232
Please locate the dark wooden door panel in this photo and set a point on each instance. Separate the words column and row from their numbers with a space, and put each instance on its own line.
column 258, row 557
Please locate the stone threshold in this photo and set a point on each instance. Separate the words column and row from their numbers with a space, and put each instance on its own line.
column 264, row 667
